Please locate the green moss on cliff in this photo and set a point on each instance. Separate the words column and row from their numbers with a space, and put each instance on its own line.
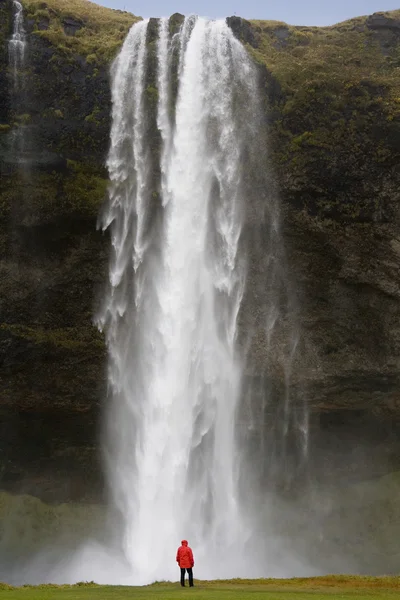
column 5, row 19
column 335, row 113
column 76, row 193
column 85, row 189
column 349, row 52
column 80, row 26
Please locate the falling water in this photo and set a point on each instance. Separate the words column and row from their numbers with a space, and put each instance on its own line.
column 17, row 43
column 17, row 59
column 176, row 285
column 188, row 175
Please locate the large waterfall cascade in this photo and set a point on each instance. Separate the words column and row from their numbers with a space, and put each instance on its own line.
column 176, row 282
column 190, row 445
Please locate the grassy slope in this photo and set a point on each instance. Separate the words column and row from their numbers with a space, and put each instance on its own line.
column 336, row 114
column 103, row 30
column 349, row 49
column 340, row 57
column 356, row 588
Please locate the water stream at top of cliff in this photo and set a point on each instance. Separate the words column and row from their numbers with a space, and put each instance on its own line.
column 186, row 114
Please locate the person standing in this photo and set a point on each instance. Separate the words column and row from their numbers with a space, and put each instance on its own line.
column 185, row 560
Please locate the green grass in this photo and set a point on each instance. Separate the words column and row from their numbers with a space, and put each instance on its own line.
column 346, row 53
column 354, row 588
column 102, row 29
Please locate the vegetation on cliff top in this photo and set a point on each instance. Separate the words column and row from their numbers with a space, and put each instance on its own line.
column 80, row 26
column 357, row 49
column 334, row 96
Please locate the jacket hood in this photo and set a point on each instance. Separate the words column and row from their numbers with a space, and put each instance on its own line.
column 184, row 543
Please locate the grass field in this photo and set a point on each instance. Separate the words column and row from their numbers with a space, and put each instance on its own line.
column 316, row 588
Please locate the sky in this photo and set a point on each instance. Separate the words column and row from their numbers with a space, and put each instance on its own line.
column 294, row 12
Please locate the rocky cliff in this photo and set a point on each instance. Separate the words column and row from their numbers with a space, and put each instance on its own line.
column 54, row 132
column 332, row 98
column 334, row 108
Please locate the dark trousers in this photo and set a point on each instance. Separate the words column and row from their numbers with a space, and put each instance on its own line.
column 190, row 573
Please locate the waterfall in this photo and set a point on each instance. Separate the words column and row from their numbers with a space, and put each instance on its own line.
column 17, row 43
column 197, row 271
column 17, row 59
column 176, row 285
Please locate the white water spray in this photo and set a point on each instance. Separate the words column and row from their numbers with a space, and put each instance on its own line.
column 175, row 293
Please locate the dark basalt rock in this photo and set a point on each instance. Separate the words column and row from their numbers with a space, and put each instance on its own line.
column 282, row 34
column 386, row 30
column 175, row 22
column 381, row 21
column 71, row 26
column 152, row 30
column 43, row 24
column 243, row 30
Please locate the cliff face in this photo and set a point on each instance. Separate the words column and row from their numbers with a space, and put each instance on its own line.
column 333, row 119
column 54, row 130
column 334, row 126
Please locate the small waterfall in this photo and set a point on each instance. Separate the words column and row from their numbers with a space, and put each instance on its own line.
column 17, row 59
column 17, row 44
column 176, row 285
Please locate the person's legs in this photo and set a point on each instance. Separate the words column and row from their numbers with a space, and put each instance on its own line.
column 190, row 573
column 183, row 577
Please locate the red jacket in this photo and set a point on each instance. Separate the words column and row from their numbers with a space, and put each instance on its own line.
column 184, row 556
